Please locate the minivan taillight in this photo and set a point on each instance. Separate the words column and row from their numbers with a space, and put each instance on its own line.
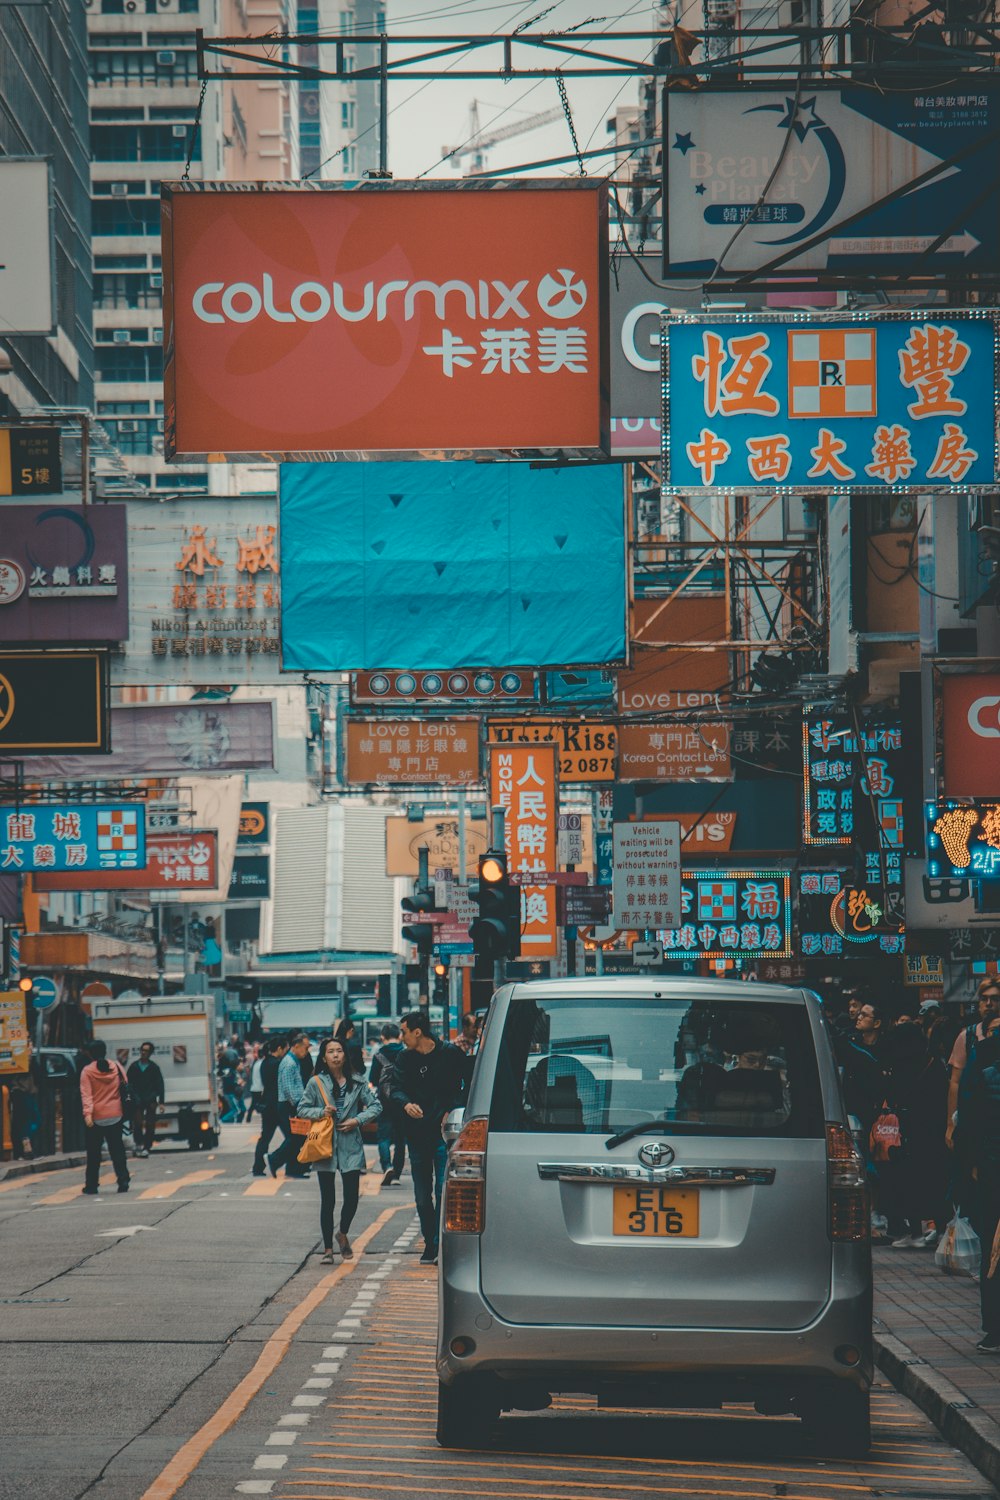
column 465, row 1186
column 847, row 1187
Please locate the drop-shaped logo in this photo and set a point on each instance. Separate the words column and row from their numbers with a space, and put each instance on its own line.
column 562, row 295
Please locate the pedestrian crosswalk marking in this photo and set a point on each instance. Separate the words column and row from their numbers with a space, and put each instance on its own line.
column 67, row 1194
column 190, row 1179
column 263, row 1187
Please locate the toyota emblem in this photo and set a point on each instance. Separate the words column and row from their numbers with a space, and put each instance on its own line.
column 655, row 1154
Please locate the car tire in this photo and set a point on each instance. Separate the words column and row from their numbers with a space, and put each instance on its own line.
column 839, row 1421
column 467, row 1413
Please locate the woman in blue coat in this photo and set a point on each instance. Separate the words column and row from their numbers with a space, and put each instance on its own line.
column 335, row 1093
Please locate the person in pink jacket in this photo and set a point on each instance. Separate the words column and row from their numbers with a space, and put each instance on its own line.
column 101, row 1094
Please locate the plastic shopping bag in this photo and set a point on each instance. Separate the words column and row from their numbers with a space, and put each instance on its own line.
column 958, row 1252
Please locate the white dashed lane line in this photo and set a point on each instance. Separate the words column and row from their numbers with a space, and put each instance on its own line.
column 311, row 1395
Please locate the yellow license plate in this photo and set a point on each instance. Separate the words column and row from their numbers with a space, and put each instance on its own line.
column 663, row 1212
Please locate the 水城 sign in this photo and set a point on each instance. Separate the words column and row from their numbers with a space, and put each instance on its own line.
column 732, row 914
column 896, row 401
column 88, row 837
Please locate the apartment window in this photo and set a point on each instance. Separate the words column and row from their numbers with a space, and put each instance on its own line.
column 128, row 362
column 175, row 481
column 123, row 216
column 347, row 113
column 140, row 290
column 142, row 143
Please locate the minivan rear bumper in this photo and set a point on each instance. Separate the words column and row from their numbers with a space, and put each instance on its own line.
column 588, row 1358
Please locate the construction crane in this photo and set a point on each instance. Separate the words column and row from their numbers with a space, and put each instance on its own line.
column 478, row 142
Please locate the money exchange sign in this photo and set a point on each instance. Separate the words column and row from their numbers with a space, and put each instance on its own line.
column 523, row 780
column 897, row 401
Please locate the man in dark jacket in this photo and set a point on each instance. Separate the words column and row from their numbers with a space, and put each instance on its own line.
column 429, row 1080
column 145, row 1084
column 391, row 1143
column 275, row 1049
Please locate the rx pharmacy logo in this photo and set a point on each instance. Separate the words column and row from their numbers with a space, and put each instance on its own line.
column 831, row 372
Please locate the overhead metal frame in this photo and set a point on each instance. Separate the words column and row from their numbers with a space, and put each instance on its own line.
column 419, row 58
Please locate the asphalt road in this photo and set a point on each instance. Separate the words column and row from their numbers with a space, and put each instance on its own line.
column 183, row 1340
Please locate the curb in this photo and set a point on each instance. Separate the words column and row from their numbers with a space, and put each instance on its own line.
column 958, row 1419
column 44, row 1164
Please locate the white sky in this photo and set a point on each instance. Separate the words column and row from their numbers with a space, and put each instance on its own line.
column 422, row 123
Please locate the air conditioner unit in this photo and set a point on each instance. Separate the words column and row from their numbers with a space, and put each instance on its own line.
column 121, row 336
column 119, row 190
column 166, row 59
column 128, row 427
column 179, row 132
column 155, row 281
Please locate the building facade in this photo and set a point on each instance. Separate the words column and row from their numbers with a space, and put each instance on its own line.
column 43, row 113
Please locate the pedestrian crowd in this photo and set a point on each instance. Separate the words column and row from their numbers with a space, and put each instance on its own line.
column 312, row 1114
column 319, row 1112
column 925, row 1090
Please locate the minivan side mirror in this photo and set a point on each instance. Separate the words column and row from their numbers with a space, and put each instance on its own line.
column 451, row 1126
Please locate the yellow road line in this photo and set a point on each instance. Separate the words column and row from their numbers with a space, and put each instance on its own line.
column 520, row 1494
column 186, row 1460
column 190, row 1179
column 501, row 1459
column 67, row 1194
column 264, row 1187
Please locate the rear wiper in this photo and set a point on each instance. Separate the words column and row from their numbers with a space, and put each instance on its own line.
column 634, row 1130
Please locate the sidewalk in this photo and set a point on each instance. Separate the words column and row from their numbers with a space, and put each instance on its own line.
column 21, row 1168
column 926, row 1329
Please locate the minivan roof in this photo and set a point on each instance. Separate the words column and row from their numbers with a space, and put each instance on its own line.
column 667, row 986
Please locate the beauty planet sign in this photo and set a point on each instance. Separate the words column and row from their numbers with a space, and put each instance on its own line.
column 397, row 317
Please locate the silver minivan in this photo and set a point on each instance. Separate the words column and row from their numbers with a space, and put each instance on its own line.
column 655, row 1198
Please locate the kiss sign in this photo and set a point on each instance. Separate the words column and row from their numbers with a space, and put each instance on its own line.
column 971, row 720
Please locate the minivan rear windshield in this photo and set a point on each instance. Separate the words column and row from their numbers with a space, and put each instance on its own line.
column 597, row 1065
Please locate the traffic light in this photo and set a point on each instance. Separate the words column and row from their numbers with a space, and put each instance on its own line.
column 441, row 982
column 421, row 934
column 496, row 932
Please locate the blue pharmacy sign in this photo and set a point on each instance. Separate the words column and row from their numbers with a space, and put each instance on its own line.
column 829, row 160
column 901, row 402
column 54, row 838
column 963, row 840
column 732, row 914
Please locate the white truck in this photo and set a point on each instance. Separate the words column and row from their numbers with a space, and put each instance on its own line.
column 182, row 1030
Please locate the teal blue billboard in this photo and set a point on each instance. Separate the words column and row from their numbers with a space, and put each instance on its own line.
column 439, row 566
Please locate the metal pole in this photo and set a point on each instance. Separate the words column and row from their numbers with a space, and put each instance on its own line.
column 462, row 871
column 424, row 959
column 383, row 106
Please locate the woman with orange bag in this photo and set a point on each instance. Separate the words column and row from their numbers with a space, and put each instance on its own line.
column 333, row 1093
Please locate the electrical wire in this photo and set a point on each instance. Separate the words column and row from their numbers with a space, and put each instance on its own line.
column 521, row 97
column 408, row 100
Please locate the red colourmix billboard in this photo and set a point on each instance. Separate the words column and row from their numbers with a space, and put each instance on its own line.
column 385, row 317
